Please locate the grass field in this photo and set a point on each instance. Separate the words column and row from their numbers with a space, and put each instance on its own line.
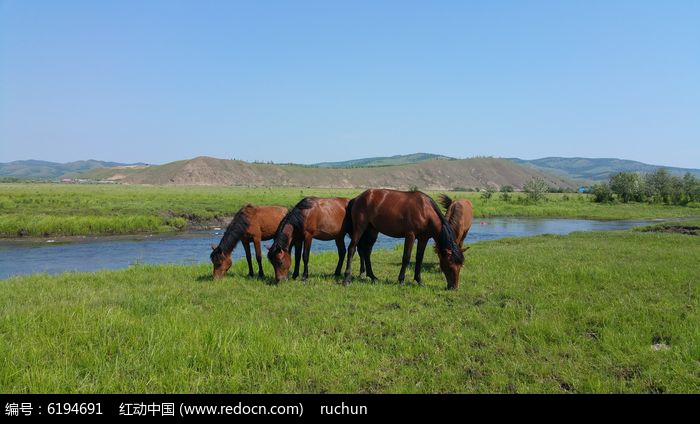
column 65, row 210
column 588, row 312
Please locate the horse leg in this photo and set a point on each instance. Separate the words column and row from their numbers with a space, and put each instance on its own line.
column 407, row 249
column 258, row 256
column 297, row 259
column 422, row 242
column 307, row 251
column 362, row 255
column 358, row 229
column 367, row 243
column 246, row 247
column 340, row 244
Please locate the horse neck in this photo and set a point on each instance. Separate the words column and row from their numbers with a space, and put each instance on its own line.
column 234, row 233
column 226, row 246
column 288, row 231
column 454, row 218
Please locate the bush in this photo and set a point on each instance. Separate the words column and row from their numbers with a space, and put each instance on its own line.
column 536, row 189
column 627, row 186
column 602, row 193
column 506, row 189
column 486, row 195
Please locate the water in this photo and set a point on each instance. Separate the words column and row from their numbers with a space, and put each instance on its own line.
column 20, row 257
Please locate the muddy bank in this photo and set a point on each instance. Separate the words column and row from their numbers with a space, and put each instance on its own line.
column 691, row 230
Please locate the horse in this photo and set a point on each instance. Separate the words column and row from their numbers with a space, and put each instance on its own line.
column 251, row 223
column 410, row 215
column 459, row 214
column 312, row 218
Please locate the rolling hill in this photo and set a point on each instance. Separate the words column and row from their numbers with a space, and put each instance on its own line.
column 383, row 161
column 595, row 170
column 430, row 174
column 39, row 169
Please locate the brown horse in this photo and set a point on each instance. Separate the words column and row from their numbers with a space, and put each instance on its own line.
column 251, row 223
column 459, row 214
column 410, row 215
column 311, row 218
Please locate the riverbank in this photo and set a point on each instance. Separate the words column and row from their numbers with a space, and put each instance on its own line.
column 587, row 312
column 53, row 210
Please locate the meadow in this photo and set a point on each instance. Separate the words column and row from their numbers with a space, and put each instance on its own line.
column 588, row 312
column 44, row 210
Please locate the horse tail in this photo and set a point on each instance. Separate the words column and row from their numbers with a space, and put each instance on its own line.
column 445, row 201
column 446, row 238
column 347, row 222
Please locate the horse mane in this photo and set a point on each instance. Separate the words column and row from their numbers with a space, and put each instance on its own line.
column 235, row 230
column 446, row 203
column 446, row 238
column 295, row 218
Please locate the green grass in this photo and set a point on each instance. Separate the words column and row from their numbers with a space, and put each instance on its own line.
column 576, row 313
column 65, row 210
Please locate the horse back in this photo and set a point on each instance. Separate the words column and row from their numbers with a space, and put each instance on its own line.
column 265, row 220
column 396, row 213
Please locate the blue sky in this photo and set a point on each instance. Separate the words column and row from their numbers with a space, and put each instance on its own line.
column 309, row 81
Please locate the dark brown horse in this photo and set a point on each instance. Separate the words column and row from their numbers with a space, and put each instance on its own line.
column 251, row 223
column 459, row 214
column 311, row 218
column 409, row 215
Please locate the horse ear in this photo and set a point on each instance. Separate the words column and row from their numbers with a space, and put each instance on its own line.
column 213, row 247
column 464, row 249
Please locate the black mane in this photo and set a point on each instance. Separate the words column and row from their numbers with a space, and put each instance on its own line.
column 235, row 230
column 446, row 238
column 295, row 218
column 446, row 202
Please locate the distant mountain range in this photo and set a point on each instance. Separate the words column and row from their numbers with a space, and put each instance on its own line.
column 426, row 175
column 595, row 170
column 584, row 170
column 39, row 169
column 423, row 170
column 383, row 161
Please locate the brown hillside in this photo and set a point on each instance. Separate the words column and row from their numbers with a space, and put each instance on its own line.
column 429, row 175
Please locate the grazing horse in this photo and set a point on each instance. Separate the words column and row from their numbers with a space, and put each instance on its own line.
column 459, row 214
column 311, row 218
column 251, row 223
column 409, row 215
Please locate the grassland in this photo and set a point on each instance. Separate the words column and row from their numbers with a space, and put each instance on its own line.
column 588, row 312
column 65, row 210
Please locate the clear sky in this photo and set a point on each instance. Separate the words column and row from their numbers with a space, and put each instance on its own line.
column 309, row 81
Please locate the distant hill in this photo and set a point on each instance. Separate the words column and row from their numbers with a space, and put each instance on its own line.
column 39, row 169
column 383, row 161
column 431, row 174
column 593, row 170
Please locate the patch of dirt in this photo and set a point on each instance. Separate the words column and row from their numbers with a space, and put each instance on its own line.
column 690, row 230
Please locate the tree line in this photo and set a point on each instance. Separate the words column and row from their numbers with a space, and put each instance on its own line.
column 657, row 187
